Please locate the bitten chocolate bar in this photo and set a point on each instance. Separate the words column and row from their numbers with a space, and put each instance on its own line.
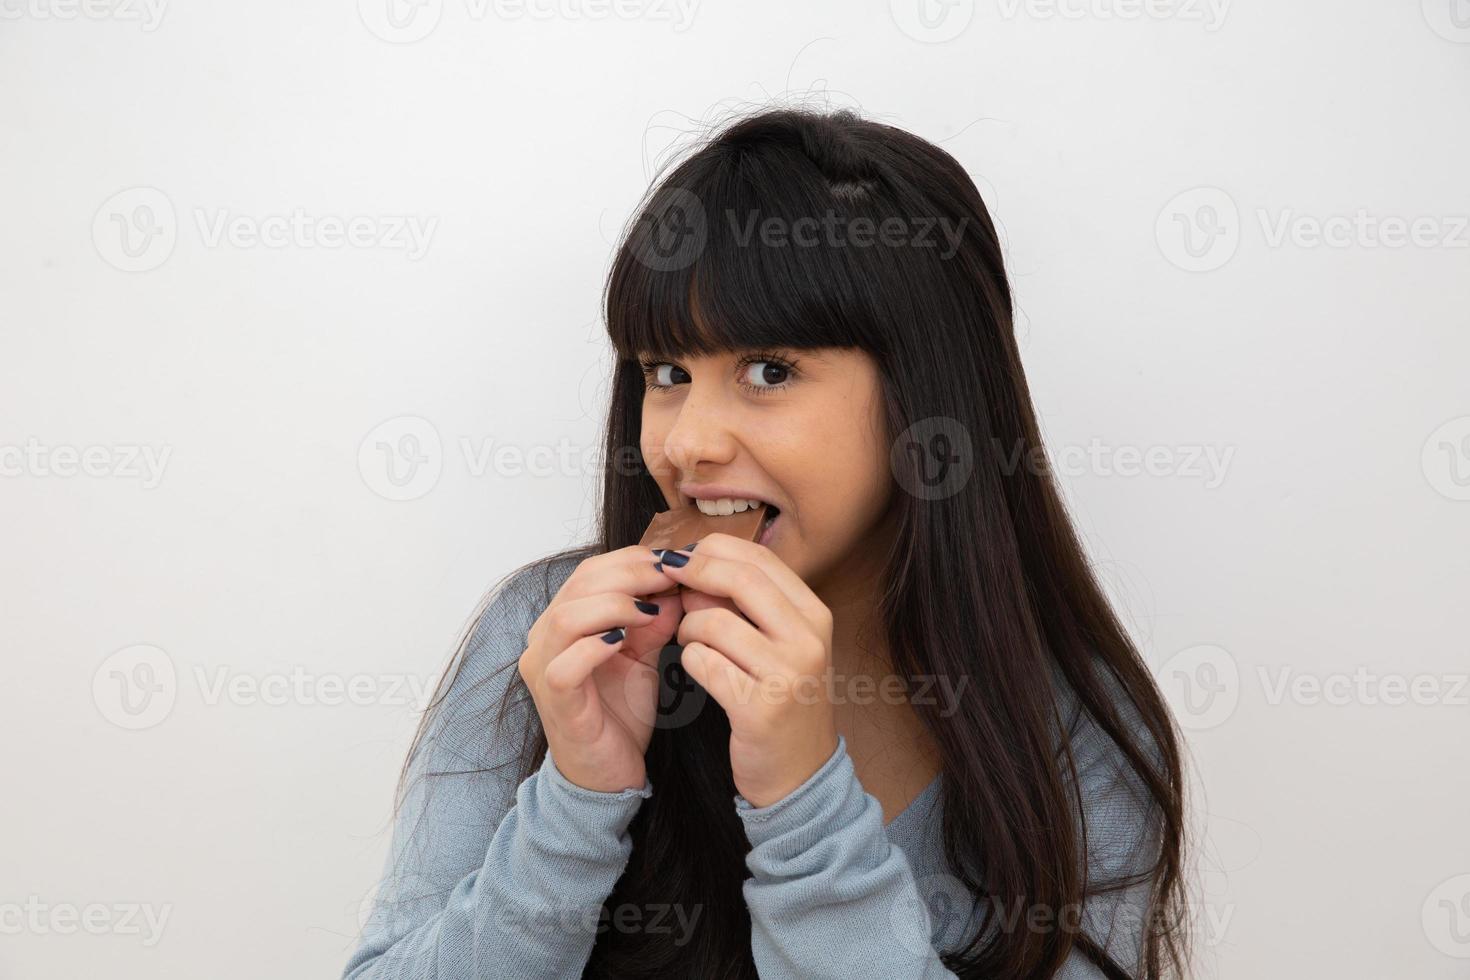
column 686, row 525
column 680, row 526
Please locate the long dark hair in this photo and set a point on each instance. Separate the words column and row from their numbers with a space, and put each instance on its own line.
column 987, row 581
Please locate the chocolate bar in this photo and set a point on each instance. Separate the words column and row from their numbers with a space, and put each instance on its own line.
column 681, row 526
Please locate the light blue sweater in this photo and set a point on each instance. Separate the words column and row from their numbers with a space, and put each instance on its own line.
column 489, row 879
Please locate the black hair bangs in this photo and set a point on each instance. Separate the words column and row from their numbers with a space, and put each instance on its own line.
column 737, row 254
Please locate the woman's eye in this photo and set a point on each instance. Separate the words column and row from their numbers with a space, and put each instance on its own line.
column 661, row 375
column 765, row 374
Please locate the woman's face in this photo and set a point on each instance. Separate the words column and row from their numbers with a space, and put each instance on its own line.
column 801, row 429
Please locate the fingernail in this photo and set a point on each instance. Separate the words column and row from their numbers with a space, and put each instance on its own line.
column 688, row 547
column 613, row 635
column 658, row 566
column 649, row 607
column 675, row 559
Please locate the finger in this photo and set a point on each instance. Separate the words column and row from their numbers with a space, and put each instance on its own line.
column 646, row 640
column 752, row 589
column 566, row 622
column 693, row 600
column 628, row 570
column 724, row 680
column 563, row 682
column 723, row 545
column 735, row 639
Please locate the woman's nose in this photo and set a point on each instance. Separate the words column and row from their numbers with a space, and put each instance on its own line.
column 702, row 432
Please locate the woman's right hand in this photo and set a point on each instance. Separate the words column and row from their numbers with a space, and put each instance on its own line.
column 598, row 700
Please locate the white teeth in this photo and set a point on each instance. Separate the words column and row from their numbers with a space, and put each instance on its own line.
column 724, row 506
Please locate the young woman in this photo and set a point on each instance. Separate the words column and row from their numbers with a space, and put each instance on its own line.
column 902, row 734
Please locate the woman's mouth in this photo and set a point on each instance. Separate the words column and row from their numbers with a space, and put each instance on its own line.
column 732, row 505
column 771, row 514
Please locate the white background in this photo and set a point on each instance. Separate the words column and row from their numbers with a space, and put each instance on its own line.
column 266, row 554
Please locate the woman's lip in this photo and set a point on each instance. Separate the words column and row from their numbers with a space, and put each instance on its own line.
column 765, row 535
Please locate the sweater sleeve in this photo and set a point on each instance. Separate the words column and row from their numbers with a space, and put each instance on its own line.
column 829, row 895
column 485, row 878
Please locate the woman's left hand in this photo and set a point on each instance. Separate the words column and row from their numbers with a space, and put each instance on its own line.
column 769, row 670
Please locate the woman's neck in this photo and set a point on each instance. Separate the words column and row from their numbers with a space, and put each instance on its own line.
column 871, row 702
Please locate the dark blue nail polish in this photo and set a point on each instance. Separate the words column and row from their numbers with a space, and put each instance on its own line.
column 658, row 566
column 675, row 559
column 688, row 547
column 649, row 607
column 613, row 635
